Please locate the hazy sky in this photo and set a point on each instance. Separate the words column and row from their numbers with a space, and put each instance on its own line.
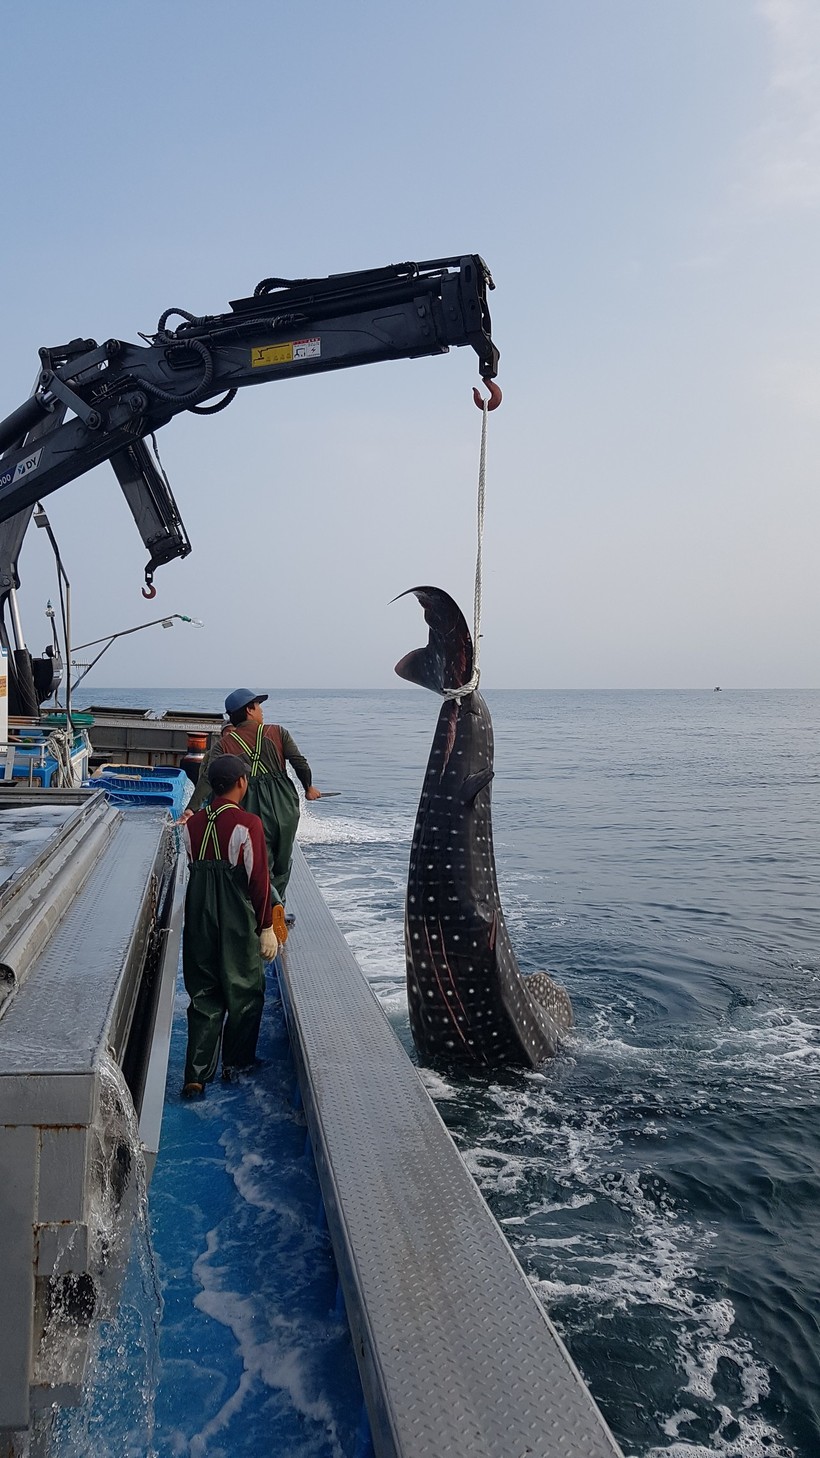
column 643, row 178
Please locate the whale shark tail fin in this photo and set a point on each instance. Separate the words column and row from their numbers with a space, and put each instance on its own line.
column 447, row 660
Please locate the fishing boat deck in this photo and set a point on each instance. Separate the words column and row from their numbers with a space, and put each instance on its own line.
column 89, row 943
column 56, row 1022
column 456, row 1355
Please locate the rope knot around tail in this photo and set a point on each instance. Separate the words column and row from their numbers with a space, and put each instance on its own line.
column 467, row 688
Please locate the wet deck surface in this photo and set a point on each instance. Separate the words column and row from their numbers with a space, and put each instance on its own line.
column 56, row 1021
column 24, row 831
column 254, row 1357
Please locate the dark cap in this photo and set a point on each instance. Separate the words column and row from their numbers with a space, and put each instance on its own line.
column 225, row 771
column 240, row 698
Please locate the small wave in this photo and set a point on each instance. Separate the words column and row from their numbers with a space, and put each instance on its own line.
column 437, row 1087
column 549, row 1207
column 779, row 1042
column 632, row 1254
column 370, row 914
column 317, row 829
column 746, row 1435
column 775, row 1046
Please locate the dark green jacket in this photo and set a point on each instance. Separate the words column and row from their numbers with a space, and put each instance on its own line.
column 278, row 748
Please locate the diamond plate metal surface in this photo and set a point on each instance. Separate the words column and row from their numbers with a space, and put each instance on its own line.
column 456, row 1353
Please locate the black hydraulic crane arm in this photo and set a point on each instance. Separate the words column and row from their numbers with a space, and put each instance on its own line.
column 97, row 402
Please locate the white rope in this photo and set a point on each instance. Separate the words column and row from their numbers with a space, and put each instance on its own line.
column 468, row 688
column 59, row 746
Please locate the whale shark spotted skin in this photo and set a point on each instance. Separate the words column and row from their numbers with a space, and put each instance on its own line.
column 467, row 999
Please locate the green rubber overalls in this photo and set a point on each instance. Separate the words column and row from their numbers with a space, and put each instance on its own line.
column 221, row 964
column 272, row 796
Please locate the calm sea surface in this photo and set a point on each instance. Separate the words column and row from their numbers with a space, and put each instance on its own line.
column 660, row 1181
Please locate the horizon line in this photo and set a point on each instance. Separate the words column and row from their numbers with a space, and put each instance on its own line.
column 405, row 688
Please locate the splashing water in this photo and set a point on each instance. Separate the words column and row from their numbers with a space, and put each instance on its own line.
column 116, row 1419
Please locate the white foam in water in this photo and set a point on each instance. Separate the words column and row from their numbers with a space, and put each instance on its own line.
column 365, row 893
column 756, row 1439
column 318, row 828
column 437, row 1087
column 496, row 1170
column 598, row 1037
column 248, row 1175
column 651, row 1264
column 780, row 1044
column 657, row 1274
column 375, row 937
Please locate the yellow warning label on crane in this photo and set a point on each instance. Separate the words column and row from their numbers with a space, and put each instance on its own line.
column 276, row 354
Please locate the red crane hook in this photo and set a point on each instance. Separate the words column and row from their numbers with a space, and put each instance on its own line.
column 149, row 590
column 495, row 395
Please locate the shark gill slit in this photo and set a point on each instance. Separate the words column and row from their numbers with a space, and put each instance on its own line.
column 450, row 974
column 444, row 997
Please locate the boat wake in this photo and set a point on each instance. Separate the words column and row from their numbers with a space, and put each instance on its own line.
column 325, row 828
column 622, row 1271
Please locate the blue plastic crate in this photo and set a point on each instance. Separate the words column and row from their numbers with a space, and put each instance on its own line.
column 142, row 784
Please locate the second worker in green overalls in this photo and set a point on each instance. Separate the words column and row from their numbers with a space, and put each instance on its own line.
column 272, row 794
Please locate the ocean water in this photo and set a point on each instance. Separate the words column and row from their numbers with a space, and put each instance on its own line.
column 659, row 1181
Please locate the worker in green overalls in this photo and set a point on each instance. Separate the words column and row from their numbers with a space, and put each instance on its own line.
column 228, row 931
column 272, row 795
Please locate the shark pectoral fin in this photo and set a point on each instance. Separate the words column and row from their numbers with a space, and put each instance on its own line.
column 474, row 784
column 551, row 996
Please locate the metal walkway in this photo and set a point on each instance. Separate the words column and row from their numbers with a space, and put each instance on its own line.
column 89, row 945
column 456, row 1355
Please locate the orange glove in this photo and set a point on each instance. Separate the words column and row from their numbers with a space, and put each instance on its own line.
column 279, row 926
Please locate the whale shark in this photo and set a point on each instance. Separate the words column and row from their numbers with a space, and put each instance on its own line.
column 467, row 999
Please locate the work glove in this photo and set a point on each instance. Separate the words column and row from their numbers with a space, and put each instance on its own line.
column 279, row 924
column 268, row 944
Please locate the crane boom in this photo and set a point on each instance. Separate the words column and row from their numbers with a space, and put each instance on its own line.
column 100, row 402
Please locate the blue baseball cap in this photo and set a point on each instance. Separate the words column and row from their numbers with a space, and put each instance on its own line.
column 240, row 698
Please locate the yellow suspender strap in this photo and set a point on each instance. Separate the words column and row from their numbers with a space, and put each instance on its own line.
column 256, row 767
column 210, row 837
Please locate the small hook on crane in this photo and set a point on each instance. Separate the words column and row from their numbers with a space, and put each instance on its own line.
column 149, row 589
column 495, row 395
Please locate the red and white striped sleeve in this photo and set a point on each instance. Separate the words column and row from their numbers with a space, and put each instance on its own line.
column 247, row 845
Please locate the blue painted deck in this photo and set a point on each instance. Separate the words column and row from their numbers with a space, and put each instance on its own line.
column 254, row 1359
